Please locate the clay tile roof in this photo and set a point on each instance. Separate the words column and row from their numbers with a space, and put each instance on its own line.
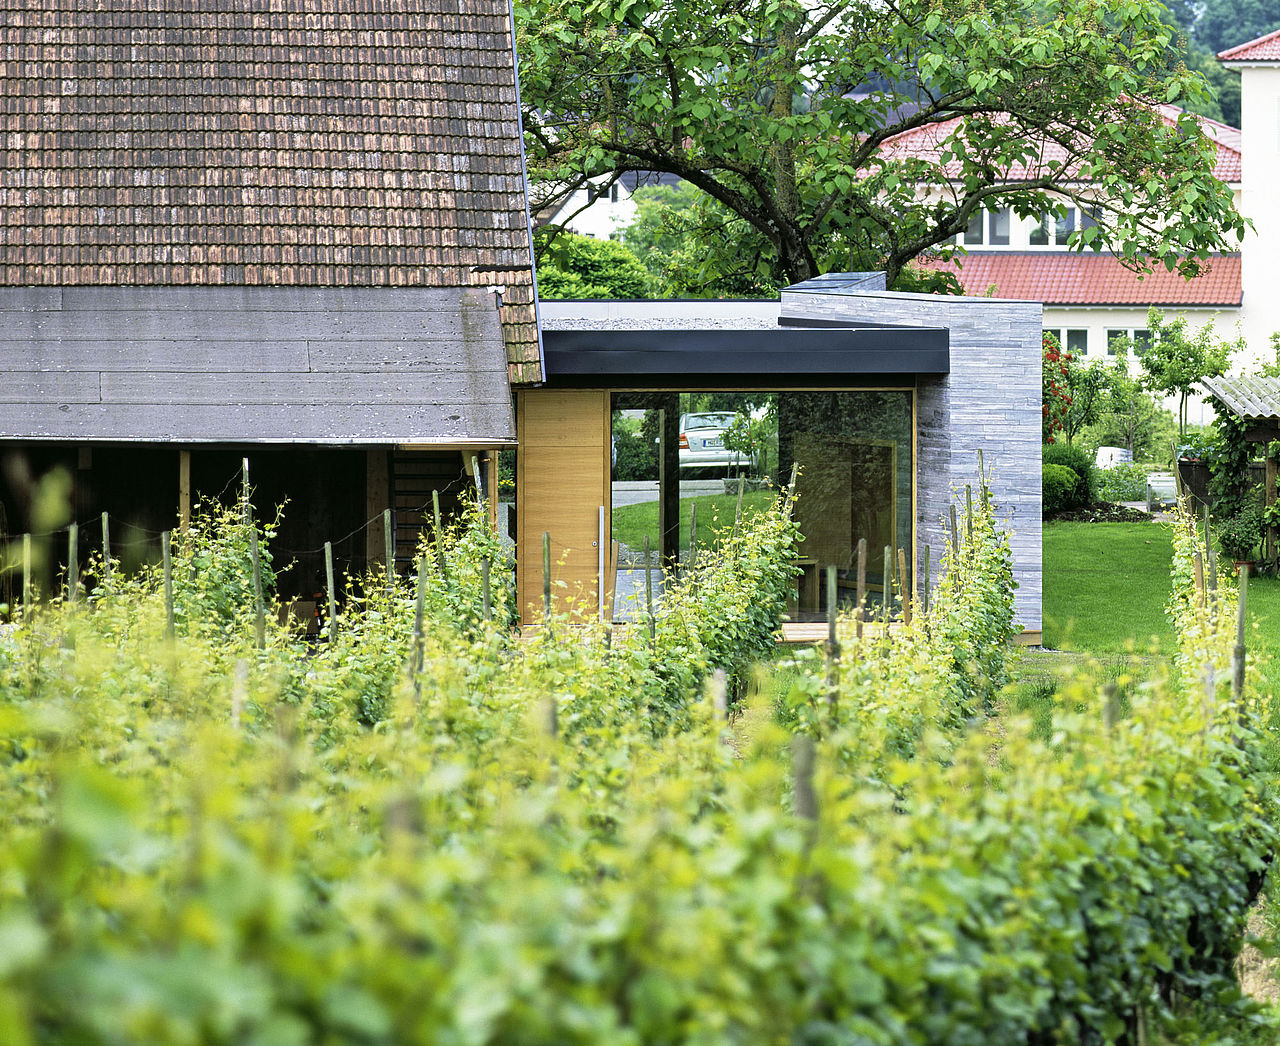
column 926, row 142
column 1091, row 279
column 308, row 143
column 1264, row 49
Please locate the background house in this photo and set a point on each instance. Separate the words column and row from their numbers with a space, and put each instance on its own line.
column 294, row 232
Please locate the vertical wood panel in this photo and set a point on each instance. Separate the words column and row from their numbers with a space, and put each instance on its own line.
column 377, row 497
column 562, row 479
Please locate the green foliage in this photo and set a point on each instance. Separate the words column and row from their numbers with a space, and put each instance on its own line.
column 1059, row 489
column 1239, row 535
column 1228, row 457
column 1079, row 461
column 1123, row 482
column 573, row 266
column 1177, row 361
column 1129, row 417
column 200, row 854
column 782, row 115
column 637, row 459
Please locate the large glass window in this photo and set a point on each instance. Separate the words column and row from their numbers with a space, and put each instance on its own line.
column 852, row 451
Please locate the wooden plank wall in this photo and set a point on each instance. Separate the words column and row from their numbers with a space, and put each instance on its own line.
column 253, row 364
column 562, row 479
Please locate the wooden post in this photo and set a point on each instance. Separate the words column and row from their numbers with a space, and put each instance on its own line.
column 239, row 691
column 26, row 574
column 486, row 601
column 106, row 551
column 439, row 535
column 718, row 686
column 802, row 764
column 475, row 472
column 184, row 490
column 982, row 480
column 1269, row 546
column 1197, row 566
column 377, row 497
column 166, row 561
column 693, row 534
column 924, row 593
column 833, row 645
column 737, row 512
column 244, row 483
column 955, row 533
column 968, row 512
column 329, row 587
column 862, row 585
column 73, row 562
column 648, row 594
column 418, row 610
column 259, row 610
column 1210, row 555
column 546, row 575
column 906, row 589
column 1237, row 654
column 888, row 584
column 389, row 540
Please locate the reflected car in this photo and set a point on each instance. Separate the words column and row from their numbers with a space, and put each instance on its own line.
column 702, row 444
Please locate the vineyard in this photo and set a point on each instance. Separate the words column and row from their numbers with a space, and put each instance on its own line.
column 432, row 830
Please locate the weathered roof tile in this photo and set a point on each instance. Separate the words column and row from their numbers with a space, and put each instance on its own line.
column 264, row 142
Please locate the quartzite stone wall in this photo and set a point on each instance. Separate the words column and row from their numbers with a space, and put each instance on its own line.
column 991, row 401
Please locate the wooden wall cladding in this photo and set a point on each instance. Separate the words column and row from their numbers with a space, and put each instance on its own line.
column 562, row 479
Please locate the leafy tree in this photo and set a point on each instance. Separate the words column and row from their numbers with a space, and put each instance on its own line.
column 785, row 112
column 1225, row 23
column 573, row 266
column 1176, row 360
column 1053, row 377
column 1087, row 389
column 1130, row 417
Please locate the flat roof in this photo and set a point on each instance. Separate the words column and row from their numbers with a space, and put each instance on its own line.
column 609, row 352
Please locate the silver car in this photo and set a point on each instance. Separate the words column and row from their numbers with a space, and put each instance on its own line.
column 702, row 443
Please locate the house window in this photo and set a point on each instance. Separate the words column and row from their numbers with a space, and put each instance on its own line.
column 1074, row 339
column 988, row 227
column 1137, row 338
column 1056, row 231
column 613, row 193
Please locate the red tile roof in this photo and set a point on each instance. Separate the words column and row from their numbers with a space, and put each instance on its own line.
column 925, row 143
column 307, row 143
column 1264, row 49
column 1067, row 278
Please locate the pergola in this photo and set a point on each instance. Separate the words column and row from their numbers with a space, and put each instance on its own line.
column 1256, row 401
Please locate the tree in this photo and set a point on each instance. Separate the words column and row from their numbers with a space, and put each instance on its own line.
column 572, row 266
column 1129, row 417
column 1053, row 378
column 1087, row 389
column 1221, row 24
column 1176, row 361
column 786, row 112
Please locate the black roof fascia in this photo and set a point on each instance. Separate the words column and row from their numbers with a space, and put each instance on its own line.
column 785, row 356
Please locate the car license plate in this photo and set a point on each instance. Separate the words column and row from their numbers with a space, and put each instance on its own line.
column 712, row 443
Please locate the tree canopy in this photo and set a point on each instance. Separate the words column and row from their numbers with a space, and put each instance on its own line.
column 785, row 113
column 573, row 266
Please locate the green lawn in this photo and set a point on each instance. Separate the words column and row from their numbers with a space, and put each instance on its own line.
column 715, row 512
column 1106, row 584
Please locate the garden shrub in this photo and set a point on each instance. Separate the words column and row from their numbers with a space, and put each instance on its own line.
column 1059, row 489
column 637, row 458
column 1079, row 461
column 1123, row 482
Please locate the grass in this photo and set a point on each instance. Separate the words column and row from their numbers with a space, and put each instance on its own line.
column 715, row 511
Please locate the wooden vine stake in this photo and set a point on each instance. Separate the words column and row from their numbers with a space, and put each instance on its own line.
column 166, row 562
column 803, row 759
column 475, row 472
column 1237, row 654
column 924, row 594
column 888, row 586
column 389, row 547
column 259, row 608
column 439, row 535
column 718, row 688
column 1197, row 565
column 106, row 551
column 330, row 592
column 418, row 610
column 693, row 535
column 1211, row 557
column 648, row 596
column 968, row 513
column 833, row 646
column 26, row 574
column 737, row 512
column 906, row 589
column 73, row 562
column 861, row 592
column 486, row 599
column 546, row 576
column 239, row 691
column 955, row 533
